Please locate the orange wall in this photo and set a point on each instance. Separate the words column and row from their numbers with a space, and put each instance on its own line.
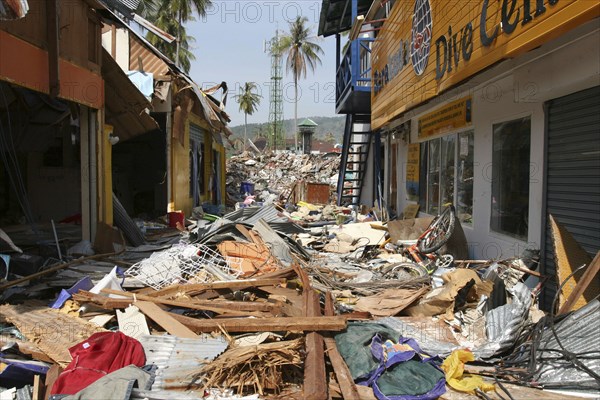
column 27, row 65
column 406, row 89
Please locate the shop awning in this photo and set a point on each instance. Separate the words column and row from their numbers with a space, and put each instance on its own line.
column 125, row 104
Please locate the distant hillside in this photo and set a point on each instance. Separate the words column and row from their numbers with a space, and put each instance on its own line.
column 335, row 125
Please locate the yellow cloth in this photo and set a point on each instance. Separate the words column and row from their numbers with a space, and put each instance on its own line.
column 454, row 367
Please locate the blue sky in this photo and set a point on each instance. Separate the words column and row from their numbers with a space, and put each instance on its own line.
column 229, row 47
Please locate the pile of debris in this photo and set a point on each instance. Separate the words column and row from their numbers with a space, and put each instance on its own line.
column 273, row 176
column 254, row 305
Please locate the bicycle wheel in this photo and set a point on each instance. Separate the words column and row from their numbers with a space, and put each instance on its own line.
column 408, row 270
column 438, row 232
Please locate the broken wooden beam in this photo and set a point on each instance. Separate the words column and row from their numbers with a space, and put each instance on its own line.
column 202, row 305
column 197, row 288
column 588, row 275
column 295, row 324
column 315, row 377
column 342, row 373
column 165, row 320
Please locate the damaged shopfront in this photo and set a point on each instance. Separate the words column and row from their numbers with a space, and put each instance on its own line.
column 494, row 110
column 51, row 110
column 181, row 164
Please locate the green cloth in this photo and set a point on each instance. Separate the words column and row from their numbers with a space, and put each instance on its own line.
column 415, row 378
column 354, row 345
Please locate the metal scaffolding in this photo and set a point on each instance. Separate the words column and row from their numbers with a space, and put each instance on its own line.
column 276, row 130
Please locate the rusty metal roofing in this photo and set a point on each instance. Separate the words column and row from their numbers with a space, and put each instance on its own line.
column 141, row 58
column 144, row 56
column 178, row 359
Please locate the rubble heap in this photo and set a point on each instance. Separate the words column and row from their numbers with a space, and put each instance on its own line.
column 253, row 305
column 277, row 173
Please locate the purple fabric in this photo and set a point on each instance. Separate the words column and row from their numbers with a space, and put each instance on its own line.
column 65, row 294
column 399, row 357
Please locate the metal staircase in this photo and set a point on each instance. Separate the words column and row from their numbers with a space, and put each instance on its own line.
column 353, row 165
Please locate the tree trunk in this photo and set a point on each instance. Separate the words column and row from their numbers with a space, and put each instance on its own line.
column 178, row 44
column 295, row 129
column 245, row 131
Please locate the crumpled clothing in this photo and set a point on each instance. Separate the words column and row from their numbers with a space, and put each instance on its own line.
column 94, row 358
column 116, row 386
column 454, row 367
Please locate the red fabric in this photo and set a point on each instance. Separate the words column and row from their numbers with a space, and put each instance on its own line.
column 101, row 354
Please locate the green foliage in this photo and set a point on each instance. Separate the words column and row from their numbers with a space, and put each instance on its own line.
column 170, row 16
column 301, row 50
column 248, row 99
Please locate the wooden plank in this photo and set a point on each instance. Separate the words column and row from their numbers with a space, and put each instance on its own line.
column 366, row 393
column 274, row 324
column 197, row 288
column 53, row 47
column 109, row 303
column 315, row 377
column 292, row 297
column 38, row 388
column 165, row 320
column 589, row 274
column 329, row 305
column 203, row 305
column 244, row 231
column 51, row 377
column 342, row 373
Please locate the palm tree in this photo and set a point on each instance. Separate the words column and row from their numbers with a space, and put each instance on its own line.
column 301, row 52
column 184, row 10
column 248, row 102
column 170, row 15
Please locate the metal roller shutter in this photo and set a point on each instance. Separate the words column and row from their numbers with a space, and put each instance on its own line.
column 573, row 174
column 197, row 133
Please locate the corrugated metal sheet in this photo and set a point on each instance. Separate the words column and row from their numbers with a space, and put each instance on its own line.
column 578, row 333
column 178, row 359
column 573, row 174
column 139, row 54
column 268, row 213
column 288, row 228
column 504, row 324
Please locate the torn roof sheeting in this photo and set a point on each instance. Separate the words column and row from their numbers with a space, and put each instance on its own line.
column 504, row 324
column 125, row 104
column 178, row 359
column 578, row 333
column 216, row 117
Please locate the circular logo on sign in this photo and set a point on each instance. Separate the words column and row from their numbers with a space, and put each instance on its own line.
column 421, row 36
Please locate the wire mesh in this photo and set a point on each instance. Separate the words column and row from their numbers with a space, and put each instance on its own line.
column 184, row 263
